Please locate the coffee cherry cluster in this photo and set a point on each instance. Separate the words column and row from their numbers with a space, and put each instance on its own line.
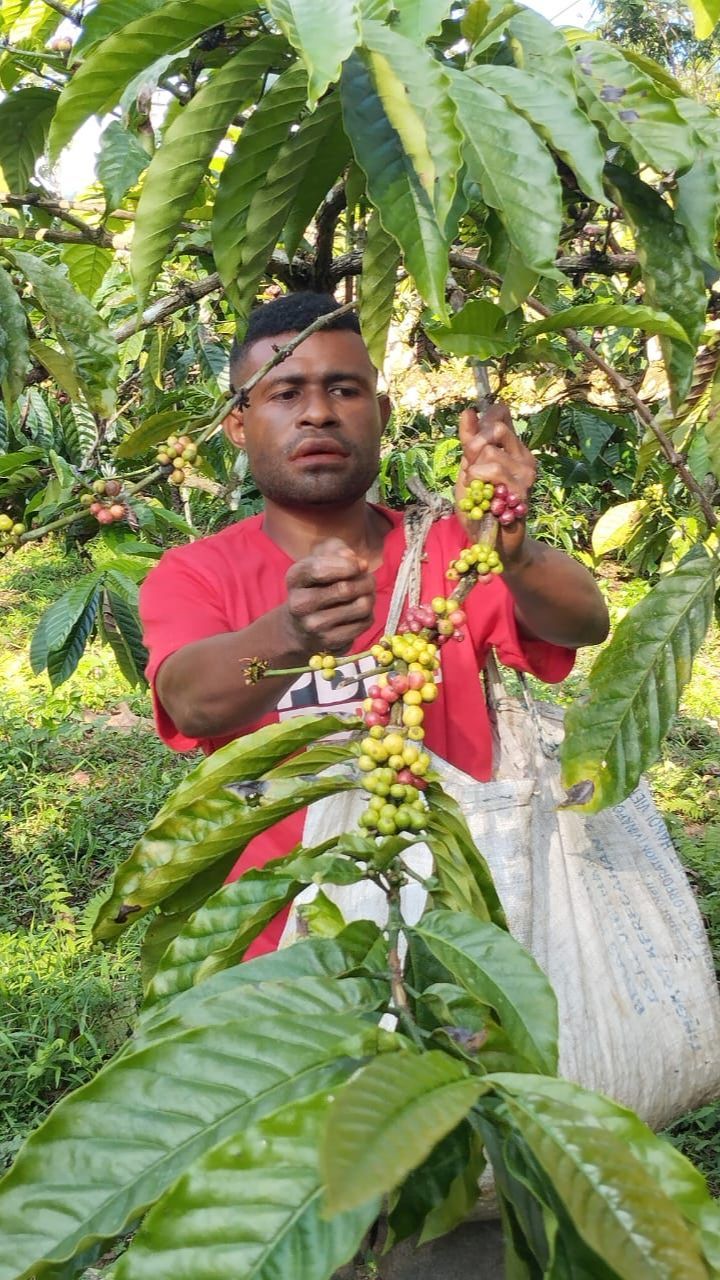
column 480, row 558
column 11, row 531
column 112, row 509
column 478, row 499
column 507, row 507
column 324, row 663
column 394, row 772
column 176, row 456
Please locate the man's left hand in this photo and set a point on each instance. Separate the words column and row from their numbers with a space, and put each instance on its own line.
column 492, row 452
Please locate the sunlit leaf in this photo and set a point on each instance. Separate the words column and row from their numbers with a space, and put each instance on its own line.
column 322, row 45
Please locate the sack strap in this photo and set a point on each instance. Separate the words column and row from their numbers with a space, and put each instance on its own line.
column 419, row 520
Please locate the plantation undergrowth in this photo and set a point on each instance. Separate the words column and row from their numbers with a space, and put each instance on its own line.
column 81, row 773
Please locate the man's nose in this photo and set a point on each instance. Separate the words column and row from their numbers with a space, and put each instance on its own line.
column 319, row 409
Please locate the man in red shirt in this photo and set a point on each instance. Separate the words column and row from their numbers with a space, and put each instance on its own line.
column 315, row 571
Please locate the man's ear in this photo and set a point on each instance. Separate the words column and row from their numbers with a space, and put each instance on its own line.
column 234, row 427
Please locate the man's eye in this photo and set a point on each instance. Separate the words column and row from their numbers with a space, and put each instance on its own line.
column 345, row 391
column 286, row 395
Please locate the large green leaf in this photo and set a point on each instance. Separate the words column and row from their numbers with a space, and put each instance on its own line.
column 187, row 149
column 706, row 14
column 82, row 332
column 218, row 935
column 540, row 47
column 264, row 1187
column 631, row 108
column 381, row 260
column 160, row 1107
column 107, row 17
column 387, row 1119
column 618, row 524
column 464, row 879
column 97, row 85
column 14, row 343
column 556, row 115
column 513, row 168
column 698, row 190
column 445, row 1183
column 126, row 637
column 635, row 684
column 176, row 848
column 87, row 266
column 672, row 1171
column 25, row 117
column 480, row 329
column 420, row 19
column 154, row 429
column 332, row 155
column 121, row 159
column 671, row 274
column 322, row 45
column 369, row 86
column 601, row 315
column 63, row 661
column 245, row 174
column 57, row 622
column 494, row 968
column 613, row 1202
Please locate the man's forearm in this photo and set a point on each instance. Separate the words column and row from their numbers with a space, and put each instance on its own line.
column 204, row 688
column 556, row 598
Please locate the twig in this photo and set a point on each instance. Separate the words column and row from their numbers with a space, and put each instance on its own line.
column 621, row 384
column 63, row 9
column 240, row 397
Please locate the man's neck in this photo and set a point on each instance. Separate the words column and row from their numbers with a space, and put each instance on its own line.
column 298, row 530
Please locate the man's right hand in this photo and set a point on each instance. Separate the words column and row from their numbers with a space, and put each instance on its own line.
column 331, row 598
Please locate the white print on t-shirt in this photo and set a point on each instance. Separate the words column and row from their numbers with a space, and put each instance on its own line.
column 312, row 692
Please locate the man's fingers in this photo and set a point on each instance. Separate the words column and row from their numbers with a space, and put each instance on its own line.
column 325, row 567
column 343, row 595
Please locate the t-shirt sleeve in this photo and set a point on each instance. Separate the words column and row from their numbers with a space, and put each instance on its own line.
column 549, row 662
column 178, row 606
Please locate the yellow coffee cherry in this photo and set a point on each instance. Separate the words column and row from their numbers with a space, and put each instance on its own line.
column 412, row 716
column 429, row 692
column 416, row 733
column 394, row 744
column 365, row 763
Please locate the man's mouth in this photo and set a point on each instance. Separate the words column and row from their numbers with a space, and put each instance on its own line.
column 322, row 448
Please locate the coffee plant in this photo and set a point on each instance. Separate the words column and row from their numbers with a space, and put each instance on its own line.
column 264, row 1113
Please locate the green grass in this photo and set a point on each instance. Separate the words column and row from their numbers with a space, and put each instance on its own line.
column 75, row 793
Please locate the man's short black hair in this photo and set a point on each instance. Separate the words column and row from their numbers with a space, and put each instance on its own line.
column 290, row 314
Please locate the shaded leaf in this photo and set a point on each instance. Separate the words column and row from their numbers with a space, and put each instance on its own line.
column 322, row 45
column 25, row 117
column 464, row 878
column 494, row 968
column 670, row 272
column 58, row 365
column 631, row 108
column 82, row 332
column 152, row 431
column 415, row 1206
column 381, row 260
column 14, row 343
column 698, row 189
column 56, row 624
column 480, row 329
column 62, row 662
column 636, row 682
column 188, row 147
column 617, row 525
column 513, row 168
column 387, row 1119
column 127, row 640
column 332, row 155
column 107, row 17
column 121, row 159
column 265, row 1185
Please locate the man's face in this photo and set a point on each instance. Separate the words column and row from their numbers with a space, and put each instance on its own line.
column 313, row 425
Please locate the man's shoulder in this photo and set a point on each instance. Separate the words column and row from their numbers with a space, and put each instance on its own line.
column 217, row 547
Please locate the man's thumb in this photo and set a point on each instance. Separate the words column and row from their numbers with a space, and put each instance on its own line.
column 469, row 426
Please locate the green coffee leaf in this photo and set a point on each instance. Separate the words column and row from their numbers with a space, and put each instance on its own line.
column 540, row 47
column 87, row 266
column 464, row 879
column 495, row 969
column 617, row 525
column 631, row 108
column 121, row 159
column 219, row 933
column 513, row 168
column 636, row 682
column 188, row 147
column 381, row 260
column 419, row 20
column 556, row 115
column 601, row 315
column 672, row 277
column 265, row 1184
column 322, row 45
column 332, row 155
column 480, row 329
column 386, row 1121
column 698, row 189
column 63, row 661
column 125, row 637
column 440, row 1192
column 14, row 344
column 25, row 117
column 264, row 1048
column 82, row 332
column 152, row 431
column 706, row 14
column 246, row 171
column 56, row 626
column 97, row 85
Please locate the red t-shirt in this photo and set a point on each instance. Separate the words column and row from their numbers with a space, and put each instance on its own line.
column 225, row 581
